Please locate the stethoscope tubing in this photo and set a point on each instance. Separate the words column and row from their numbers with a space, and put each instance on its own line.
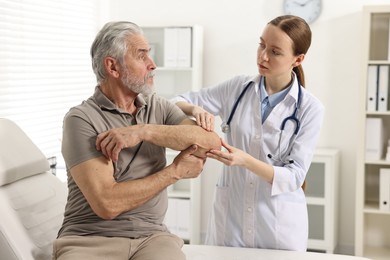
column 293, row 117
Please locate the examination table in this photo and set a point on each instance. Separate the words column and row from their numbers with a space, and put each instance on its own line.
column 204, row 252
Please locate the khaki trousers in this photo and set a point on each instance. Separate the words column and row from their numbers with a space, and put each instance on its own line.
column 160, row 246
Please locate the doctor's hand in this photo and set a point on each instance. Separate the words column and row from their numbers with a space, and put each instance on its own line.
column 203, row 118
column 232, row 156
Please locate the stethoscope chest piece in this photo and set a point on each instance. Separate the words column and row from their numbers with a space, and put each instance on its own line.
column 225, row 128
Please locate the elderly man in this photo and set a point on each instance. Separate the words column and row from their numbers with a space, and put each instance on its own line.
column 114, row 148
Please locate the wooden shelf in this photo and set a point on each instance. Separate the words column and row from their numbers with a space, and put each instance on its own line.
column 371, row 224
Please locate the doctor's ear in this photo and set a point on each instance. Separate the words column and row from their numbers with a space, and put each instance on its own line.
column 298, row 60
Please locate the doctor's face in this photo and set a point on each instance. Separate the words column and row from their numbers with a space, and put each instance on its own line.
column 275, row 56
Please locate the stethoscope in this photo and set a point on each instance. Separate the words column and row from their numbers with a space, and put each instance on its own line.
column 293, row 117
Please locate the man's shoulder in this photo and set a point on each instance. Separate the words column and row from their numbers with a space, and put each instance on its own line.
column 84, row 108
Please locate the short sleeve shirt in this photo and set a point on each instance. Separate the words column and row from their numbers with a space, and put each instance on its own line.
column 81, row 126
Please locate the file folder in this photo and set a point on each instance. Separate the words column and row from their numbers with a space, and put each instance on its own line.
column 383, row 88
column 374, row 139
column 384, row 189
column 372, row 88
column 170, row 47
column 177, row 218
column 177, row 47
column 184, row 47
column 183, row 218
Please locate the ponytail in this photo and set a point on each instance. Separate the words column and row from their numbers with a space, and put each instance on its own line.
column 300, row 74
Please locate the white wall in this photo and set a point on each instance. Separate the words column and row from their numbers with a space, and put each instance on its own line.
column 333, row 67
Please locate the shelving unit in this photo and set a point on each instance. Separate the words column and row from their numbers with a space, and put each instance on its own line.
column 372, row 226
column 172, row 78
column 322, row 200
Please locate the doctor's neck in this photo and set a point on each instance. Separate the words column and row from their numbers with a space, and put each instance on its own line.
column 274, row 85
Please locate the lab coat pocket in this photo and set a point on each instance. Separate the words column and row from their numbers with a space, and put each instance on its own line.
column 217, row 223
column 292, row 225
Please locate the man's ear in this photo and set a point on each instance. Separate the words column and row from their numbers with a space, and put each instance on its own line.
column 298, row 60
column 112, row 67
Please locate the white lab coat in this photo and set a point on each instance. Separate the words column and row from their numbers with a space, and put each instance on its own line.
column 248, row 211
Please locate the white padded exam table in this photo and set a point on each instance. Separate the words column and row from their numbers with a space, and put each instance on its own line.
column 203, row 252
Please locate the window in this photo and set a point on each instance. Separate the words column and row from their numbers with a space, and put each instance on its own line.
column 45, row 65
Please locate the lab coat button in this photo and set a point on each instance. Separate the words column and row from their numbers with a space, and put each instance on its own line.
column 249, row 209
column 250, row 231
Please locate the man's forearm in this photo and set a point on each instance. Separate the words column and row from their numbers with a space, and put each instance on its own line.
column 180, row 137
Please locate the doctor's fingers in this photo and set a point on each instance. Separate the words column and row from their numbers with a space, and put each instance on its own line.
column 227, row 160
column 221, row 156
column 205, row 120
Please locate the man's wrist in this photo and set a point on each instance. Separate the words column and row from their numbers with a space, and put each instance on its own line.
column 144, row 132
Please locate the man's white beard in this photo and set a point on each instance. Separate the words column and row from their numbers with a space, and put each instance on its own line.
column 137, row 86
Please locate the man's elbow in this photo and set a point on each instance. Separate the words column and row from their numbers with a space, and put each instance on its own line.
column 214, row 141
column 211, row 141
column 105, row 210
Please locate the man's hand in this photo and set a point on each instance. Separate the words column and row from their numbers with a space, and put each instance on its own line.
column 113, row 141
column 187, row 165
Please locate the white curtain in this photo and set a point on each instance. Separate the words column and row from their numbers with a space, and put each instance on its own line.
column 45, row 65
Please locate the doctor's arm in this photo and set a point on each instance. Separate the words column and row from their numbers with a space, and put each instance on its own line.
column 202, row 117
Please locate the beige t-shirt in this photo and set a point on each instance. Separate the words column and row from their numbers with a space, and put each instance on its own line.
column 81, row 126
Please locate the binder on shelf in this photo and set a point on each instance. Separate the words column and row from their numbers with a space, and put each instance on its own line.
column 183, row 218
column 184, row 47
column 170, row 215
column 374, row 142
column 383, row 88
column 384, row 189
column 170, row 47
column 177, row 46
column 177, row 218
column 372, row 88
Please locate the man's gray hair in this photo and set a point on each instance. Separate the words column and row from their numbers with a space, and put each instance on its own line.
column 111, row 41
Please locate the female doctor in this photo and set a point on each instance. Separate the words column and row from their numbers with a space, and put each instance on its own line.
column 272, row 125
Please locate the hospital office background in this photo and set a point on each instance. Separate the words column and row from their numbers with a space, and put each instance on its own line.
column 334, row 69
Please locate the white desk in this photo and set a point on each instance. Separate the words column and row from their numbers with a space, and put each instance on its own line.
column 203, row 252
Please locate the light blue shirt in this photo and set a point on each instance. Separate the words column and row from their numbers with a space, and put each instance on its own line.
column 247, row 210
column 268, row 102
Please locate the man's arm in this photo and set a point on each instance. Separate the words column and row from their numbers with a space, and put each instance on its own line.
column 109, row 198
column 176, row 137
